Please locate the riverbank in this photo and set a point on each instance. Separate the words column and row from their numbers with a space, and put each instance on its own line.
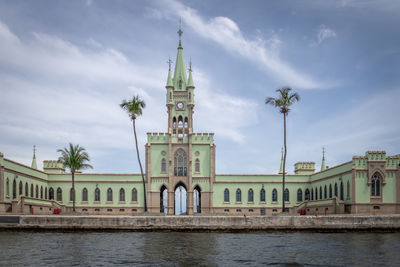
column 202, row 223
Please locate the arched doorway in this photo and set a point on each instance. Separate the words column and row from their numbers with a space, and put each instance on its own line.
column 164, row 200
column 197, row 200
column 180, row 199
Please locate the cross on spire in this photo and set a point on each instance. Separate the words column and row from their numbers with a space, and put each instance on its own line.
column 169, row 63
column 180, row 28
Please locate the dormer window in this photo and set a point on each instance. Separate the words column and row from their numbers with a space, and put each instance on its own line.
column 180, row 84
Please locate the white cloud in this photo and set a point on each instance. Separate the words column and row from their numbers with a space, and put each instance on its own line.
column 230, row 114
column 227, row 33
column 361, row 127
column 54, row 92
column 325, row 33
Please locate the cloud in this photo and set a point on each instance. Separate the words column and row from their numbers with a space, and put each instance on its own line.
column 225, row 114
column 325, row 33
column 363, row 126
column 54, row 92
column 227, row 33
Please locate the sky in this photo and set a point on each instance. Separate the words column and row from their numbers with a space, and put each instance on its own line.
column 65, row 66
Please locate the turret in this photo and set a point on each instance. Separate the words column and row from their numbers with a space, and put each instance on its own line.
column 34, row 165
column 323, row 165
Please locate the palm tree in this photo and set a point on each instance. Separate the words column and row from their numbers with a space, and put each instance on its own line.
column 134, row 109
column 284, row 100
column 75, row 158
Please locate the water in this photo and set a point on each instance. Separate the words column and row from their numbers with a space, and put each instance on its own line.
column 198, row 249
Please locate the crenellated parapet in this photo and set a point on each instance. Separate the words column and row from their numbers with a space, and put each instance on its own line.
column 203, row 138
column 157, row 137
column 53, row 166
column 376, row 155
column 304, row 167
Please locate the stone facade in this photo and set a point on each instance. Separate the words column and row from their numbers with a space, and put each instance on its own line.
column 181, row 177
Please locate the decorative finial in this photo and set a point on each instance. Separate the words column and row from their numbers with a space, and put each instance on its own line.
column 323, row 152
column 169, row 63
column 190, row 64
column 180, row 28
column 34, row 150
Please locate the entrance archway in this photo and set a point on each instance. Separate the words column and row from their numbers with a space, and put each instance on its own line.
column 164, row 200
column 180, row 199
column 197, row 200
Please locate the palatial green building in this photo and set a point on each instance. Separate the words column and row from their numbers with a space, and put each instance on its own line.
column 181, row 178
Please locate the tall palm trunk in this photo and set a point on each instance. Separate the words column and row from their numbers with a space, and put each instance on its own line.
column 140, row 164
column 284, row 162
column 73, row 190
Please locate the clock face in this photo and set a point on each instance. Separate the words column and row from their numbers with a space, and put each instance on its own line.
column 180, row 105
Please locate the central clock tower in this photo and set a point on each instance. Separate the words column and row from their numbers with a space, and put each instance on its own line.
column 180, row 164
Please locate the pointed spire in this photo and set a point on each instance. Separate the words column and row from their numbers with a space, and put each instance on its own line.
column 323, row 165
column 281, row 168
column 179, row 79
column 169, row 80
column 190, row 79
column 34, row 165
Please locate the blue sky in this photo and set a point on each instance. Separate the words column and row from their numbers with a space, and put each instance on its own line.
column 66, row 65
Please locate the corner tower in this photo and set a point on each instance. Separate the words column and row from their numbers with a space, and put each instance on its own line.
column 180, row 164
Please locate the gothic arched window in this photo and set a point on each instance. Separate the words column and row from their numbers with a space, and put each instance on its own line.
column 31, row 190
column 250, row 195
column 320, row 192
column 37, row 191
column 26, row 189
column 180, row 163
column 84, row 194
column 45, row 193
column 51, row 193
column 97, row 194
column 174, row 123
column 197, row 165
column 238, row 195
column 41, row 192
column 286, row 195
column 226, row 195
column 299, row 195
column 341, row 191
column 376, row 185
column 348, row 189
column 109, row 194
column 336, row 190
column 180, row 84
column 330, row 191
column 325, row 192
column 163, row 165
column 14, row 189
column 59, row 194
column 316, row 193
column 122, row 195
column 180, row 122
column 262, row 195
column 274, row 195
column 71, row 194
column 134, row 195
column 20, row 188
column 307, row 194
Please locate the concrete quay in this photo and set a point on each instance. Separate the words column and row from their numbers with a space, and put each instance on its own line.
column 333, row 223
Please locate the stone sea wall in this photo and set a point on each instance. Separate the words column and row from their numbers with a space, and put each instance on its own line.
column 203, row 223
